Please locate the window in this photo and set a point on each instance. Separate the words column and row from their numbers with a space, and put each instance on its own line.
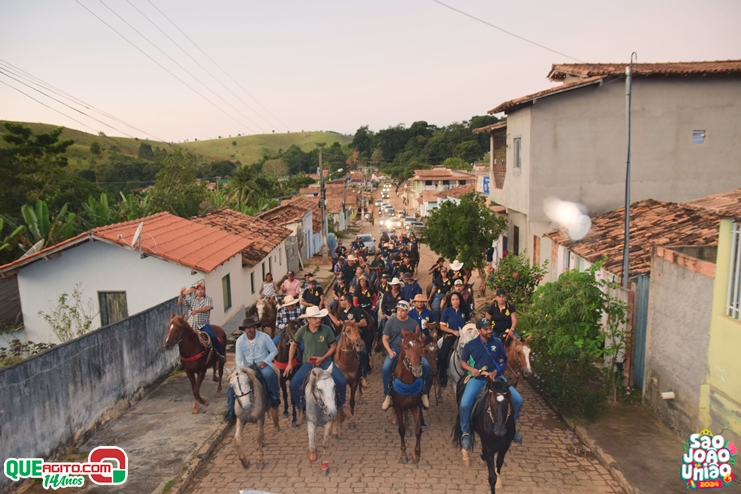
column 226, row 289
column 252, row 282
column 516, row 240
column 113, row 307
column 518, row 152
column 462, row 182
column 428, row 183
column 263, row 271
column 567, row 260
column 733, row 305
column 446, row 182
column 698, row 137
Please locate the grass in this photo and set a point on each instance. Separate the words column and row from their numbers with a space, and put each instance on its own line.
column 168, row 486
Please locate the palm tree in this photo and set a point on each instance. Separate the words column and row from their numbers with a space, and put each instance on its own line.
column 242, row 182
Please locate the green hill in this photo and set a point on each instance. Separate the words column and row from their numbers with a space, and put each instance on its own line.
column 248, row 149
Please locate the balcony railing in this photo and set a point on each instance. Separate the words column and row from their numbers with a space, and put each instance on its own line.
column 499, row 172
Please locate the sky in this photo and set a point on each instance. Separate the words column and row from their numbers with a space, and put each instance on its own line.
column 321, row 65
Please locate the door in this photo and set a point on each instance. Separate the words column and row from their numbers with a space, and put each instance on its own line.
column 113, row 307
column 516, row 240
column 640, row 319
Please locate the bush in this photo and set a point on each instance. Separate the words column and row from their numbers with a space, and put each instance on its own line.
column 517, row 277
column 18, row 351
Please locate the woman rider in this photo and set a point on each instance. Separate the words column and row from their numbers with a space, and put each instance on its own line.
column 443, row 286
column 268, row 289
column 364, row 295
column 503, row 315
column 451, row 322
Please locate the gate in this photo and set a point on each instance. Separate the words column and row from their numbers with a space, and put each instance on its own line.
column 640, row 319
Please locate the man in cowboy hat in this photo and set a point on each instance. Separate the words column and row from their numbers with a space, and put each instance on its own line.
column 319, row 347
column 410, row 288
column 388, row 306
column 421, row 314
column 255, row 347
column 199, row 314
column 289, row 311
column 456, row 272
column 348, row 312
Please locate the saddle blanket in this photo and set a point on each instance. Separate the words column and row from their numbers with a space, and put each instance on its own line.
column 408, row 389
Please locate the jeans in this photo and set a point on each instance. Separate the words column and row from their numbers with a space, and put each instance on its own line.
column 214, row 340
column 388, row 366
column 469, row 395
column 298, row 380
column 273, row 388
column 436, row 301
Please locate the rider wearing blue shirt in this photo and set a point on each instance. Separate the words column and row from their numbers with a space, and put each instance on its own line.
column 421, row 314
column 482, row 354
column 452, row 321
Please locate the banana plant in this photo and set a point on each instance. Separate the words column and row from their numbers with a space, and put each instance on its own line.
column 136, row 206
column 98, row 213
column 6, row 243
column 42, row 227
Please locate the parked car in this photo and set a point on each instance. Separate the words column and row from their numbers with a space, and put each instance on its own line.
column 409, row 219
column 393, row 222
column 369, row 242
column 379, row 202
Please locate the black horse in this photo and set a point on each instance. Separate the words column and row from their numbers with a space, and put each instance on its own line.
column 494, row 422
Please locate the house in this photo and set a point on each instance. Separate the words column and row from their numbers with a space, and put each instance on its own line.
column 569, row 141
column 436, row 179
column 311, row 204
column 454, row 195
column 301, row 223
column 266, row 253
column 118, row 280
column 427, row 203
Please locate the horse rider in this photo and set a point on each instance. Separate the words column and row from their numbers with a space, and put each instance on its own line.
column 357, row 244
column 337, row 267
column 307, row 279
column 436, row 269
column 348, row 312
column 383, row 285
column 442, row 287
column 268, row 289
column 456, row 272
column 458, row 288
column 421, row 314
column 452, row 321
column 289, row 311
column 348, row 270
column 388, row 306
column 313, row 295
column 255, row 347
column 406, row 265
column 319, row 346
column 410, row 288
column 377, row 265
column 339, row 290
column 199, row 314
column 339, row 251
column 481, row 355
column 392, row 338
column 291, row 286
column 503, row 316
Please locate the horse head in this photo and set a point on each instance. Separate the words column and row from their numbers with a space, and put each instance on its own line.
column 351, row 331
column 518, row 352
column 430, row 353
column 499, row 404
column 175, row 331
column 321, row 388
column 241, row 383
column 410, row 355
column 260, row 306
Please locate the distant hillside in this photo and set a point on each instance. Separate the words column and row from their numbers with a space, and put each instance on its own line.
column 248, row 149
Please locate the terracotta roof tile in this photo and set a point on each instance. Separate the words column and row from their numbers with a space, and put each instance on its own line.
column 265, row 235
column 429, row 195
column 652, row 223
column 495, row 126
column 725, row 204
column 563, row 70
column 459, row 191
column 293, row 209
column 514, row 104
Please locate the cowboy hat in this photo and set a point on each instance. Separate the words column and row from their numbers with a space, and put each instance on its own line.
column 468, row 327
column 314, row 311
column 456, row 265
column 395, row 281
column 352, row 258
column 289, row 300
column 419, row 298
column 250, row 321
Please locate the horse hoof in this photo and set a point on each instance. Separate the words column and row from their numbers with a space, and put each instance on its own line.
column 393, row 419
column 204, row 402
column 218, row 392
column 276, row 428
column 245, row 464
column 313, row 456
column 195, row 411
column 335, row 436
column 260, row 465
column 415, row 460
column 285, row 414
column 403, row 460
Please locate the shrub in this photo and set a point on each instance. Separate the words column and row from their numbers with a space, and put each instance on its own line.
column 71, row 316
column 517, row 277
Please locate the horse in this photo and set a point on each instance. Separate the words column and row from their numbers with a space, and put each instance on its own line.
column 429, row 352
column 321, row 409
column 408, row 376
column 267, row 313
column 347, row 358
column 250, row 406
column 455, row 371
column 495, row 425
column 196, row 354
column 281, row 360
column 518, row 357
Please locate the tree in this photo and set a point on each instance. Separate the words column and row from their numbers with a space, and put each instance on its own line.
column 464, row 231
column 242, row 183
column 176, row 189
column 145, row 152
column 275, row 167
column 41, row 227
column 234, row 143
column 98, row 212
column 95, row 148
column 456, row 164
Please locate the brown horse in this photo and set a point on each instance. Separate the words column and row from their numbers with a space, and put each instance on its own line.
column 518, row 357
column 347, row 358
column 408, row 370
column 267, row 314
column 281, row 360
column 430, row 353
column 196, row 354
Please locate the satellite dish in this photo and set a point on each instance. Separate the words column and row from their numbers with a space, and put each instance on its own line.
column 137, row 234
column 34, row 248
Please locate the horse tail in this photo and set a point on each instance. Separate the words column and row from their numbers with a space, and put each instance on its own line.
column 457, row 433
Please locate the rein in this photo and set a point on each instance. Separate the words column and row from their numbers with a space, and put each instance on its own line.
column 239, row 385
column 488, row 409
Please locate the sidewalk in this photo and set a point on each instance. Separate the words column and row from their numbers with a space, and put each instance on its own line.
column 642, row 454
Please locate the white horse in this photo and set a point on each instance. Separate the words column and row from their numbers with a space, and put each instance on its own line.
column 455, row 371
column 321, row 409
column 250, row 406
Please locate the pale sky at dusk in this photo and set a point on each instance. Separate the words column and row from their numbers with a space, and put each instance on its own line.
column 329, row 65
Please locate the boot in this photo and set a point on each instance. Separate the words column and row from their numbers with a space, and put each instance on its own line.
column 386, row 403
column 425, row 402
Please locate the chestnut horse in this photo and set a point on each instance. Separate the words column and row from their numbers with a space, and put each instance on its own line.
column 347, row 359
column 195, row 356
column 408, row 372
column 518, row 357
column 267, row 314
column 281, row 360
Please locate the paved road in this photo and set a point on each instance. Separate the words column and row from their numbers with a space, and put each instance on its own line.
column 550, row 460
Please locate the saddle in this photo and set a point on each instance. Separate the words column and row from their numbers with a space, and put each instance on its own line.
column 265, row 388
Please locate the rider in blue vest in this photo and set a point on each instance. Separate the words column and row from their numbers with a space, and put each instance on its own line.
column 478, row 353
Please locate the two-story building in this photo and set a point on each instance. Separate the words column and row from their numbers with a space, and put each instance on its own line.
column 437, row 179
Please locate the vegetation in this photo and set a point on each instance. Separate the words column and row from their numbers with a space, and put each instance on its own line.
column 17, row 351
column 516, row 276
column 70, row 317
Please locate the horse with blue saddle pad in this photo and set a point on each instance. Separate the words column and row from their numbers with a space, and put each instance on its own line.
column 406, row 390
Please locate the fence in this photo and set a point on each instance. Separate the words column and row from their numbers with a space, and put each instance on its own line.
column 51, row 399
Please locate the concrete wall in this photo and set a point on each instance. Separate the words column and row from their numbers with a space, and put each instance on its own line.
column 516, row 191
column 50, row 399
column 677, row 338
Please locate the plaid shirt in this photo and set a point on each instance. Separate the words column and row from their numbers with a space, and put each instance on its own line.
column 286, row 314
column 197, row 321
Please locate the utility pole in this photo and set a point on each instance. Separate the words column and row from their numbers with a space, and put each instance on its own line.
column 323, row 207
column 626, row 246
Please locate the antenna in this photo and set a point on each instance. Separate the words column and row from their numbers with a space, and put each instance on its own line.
column 137, row 234
column 34, row 248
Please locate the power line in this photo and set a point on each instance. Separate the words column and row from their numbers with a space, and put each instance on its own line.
column 18, row 72
column 163, row 67
column 507, row 32
column 201, row 66
column 219, row 66
column 183, row 68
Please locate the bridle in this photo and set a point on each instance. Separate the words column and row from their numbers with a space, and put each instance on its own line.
column 499, row 411
column 243, row 394
column 318, row 399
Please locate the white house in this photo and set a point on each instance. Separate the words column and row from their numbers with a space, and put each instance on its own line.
column 455, row 194
column 118, row 280
column 438, row 179
column 427, row 202
column 300, row 220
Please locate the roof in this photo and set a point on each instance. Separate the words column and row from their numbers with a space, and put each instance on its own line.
column 429, row 196
column 283, row 214
column 441, row 173
column 725, row 204
column 560, row 71
column 459, row 191
column 265, row 236
column 652, row 223
column 515, row 104
column 46, row 253
column 491, row 128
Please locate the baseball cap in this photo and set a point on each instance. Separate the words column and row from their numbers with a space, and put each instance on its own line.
column 402, row 304
column 458, row 282
column 483, row 323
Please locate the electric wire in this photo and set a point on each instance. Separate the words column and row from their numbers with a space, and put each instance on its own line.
column 219, row 66
column 163, row 67
column 507, row 32
column 181, row 67
column 201, row 66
